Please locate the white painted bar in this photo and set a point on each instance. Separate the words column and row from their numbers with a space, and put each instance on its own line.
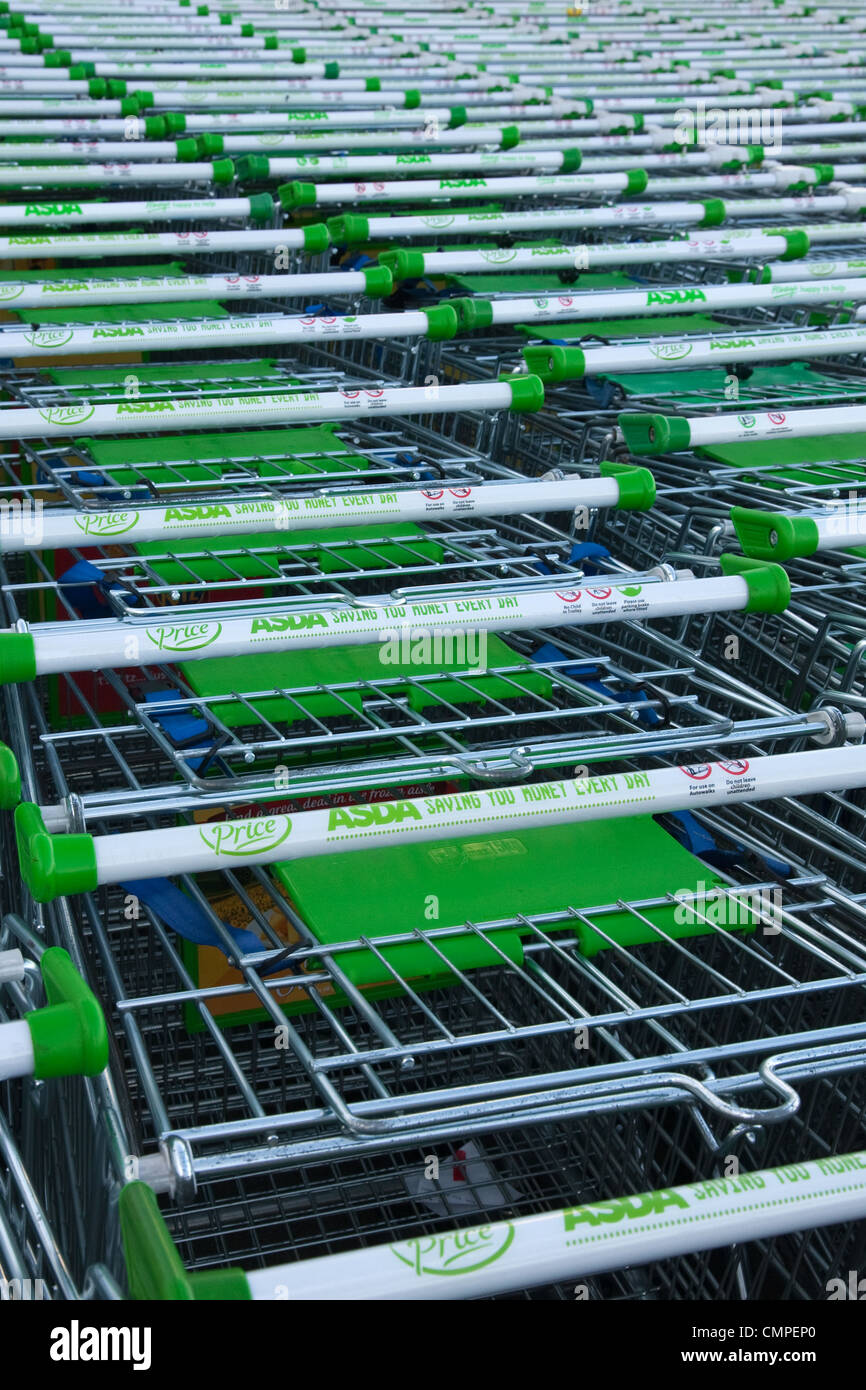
column 198, row 635
column 159, row 289
column 106, row 244
column 20, row 342
column 273, row 838
column 16, row 1050
column 58, row 528
column 42, row 210
column 594, row 1238
column 281, row 407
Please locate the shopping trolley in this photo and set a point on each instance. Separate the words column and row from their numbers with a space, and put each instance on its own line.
column 290, row 1046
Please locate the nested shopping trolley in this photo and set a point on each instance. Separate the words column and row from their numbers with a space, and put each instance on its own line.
column 614, row 982
column 465, row 1042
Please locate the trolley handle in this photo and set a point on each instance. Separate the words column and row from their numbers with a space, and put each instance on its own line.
column 68, row 1037
column 593, row 1238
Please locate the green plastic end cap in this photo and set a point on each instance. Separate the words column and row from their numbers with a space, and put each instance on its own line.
column 571, row 161
column 754, row 154
column 223, row 170
column 760, row 275
column 80, row 72
column 372, row 84
column 332, row 70
column 768, row 585
column 637, row 486
column 654, row 434
column 253, row 168
column 188, row 149
column 261, row 207
column 824, row 173
column 97, row 87
column 412, row 99
column 348, row 230
column 457, row 116
column 636, row 181
column 129, row 107
column 69, row 1035
column 116, row 87
column 155, row 128
column 299, row 55
column 774, row 536
column 296, row 195
column 556, row 363
column 317, row 239
column 203, row 9
column 31, row 45
column 378, row 282
column 52, row 865
column 714, row 212
column 527, row 392
column 442, row 322
column 797, row 243
column 510, row 137
column 473, row 313
column 154, row 1269
column 638, row 122
column 58, row 58
column 226, row 17
column 175, row 124
column 404, row 265
column 10, row 779
column 210, row 145
column 144, row 98
column 17, row 658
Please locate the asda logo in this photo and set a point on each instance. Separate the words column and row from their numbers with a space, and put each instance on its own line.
column 460, row 1252
column 106, row 523
column 305, row 115
column 462, row 183
column 675, row 297
column 378, row 813
column 184, row 637
column 413, row 159
column 624, row 1209
column 30, row 240
column 49, row 337
column 63, row 287
column 123, row 332
column 52, row 209
column 670, row 352
column 67, row 414
column 144, row 407
column 730, row 344
column 241, row 838
column 196, row 513
column 290, row 622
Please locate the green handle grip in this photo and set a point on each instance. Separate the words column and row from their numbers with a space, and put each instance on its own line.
column 69, row 1035
column 155, row 1271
